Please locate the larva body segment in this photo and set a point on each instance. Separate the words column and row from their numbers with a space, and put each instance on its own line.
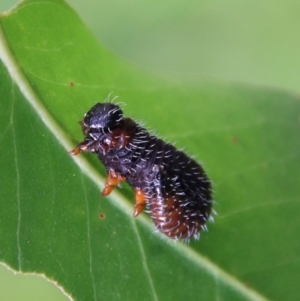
column 173, row 186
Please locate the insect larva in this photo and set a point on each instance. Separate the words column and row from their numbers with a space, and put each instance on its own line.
column 173, row 187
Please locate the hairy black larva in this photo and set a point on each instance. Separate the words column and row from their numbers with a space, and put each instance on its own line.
column 173, row 186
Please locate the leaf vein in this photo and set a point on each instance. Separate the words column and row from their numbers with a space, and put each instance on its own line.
column 17, row 179
column 89, row 239
column 144, row 260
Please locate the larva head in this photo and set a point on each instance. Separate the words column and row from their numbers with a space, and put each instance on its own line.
column 102, row 118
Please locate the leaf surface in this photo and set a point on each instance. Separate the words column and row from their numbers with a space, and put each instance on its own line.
column 53, row 220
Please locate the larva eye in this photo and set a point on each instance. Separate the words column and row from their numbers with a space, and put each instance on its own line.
column 103, row 117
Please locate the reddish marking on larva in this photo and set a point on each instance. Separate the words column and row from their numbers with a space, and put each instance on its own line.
column 173, row 187
column 71, row 84
column 102, row 215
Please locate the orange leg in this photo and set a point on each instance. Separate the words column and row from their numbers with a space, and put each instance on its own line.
column 113, row 179
column 81, row 147
column 140, row 201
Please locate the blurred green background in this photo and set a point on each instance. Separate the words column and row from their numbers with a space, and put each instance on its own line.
column 254, row 42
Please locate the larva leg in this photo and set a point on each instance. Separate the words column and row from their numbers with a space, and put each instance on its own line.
column 113, row 179
column 81, row 147
column 140, row 201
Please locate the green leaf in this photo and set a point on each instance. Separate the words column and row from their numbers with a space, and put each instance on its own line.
column 53, row 220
